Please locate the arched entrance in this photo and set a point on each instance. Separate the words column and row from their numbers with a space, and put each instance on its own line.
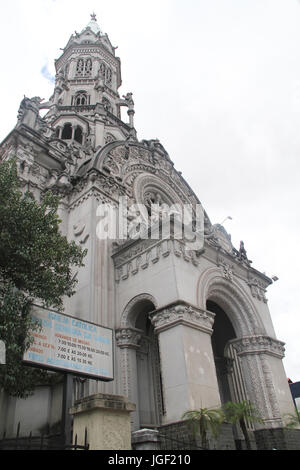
column 148, row 372
column 223, row 332
column 228, row 367
column 140, row 355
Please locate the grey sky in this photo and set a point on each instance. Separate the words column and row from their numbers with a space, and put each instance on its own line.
column 218, row 82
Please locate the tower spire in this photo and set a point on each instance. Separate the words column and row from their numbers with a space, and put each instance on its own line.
column 93, row 25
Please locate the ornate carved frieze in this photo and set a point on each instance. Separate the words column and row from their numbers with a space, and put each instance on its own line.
column 127, row 161
column 139, row 256
column 180, row 250
column 80, row 232
column 259, row 344
column 145, row 253
column 257, row 289
column 182, row 314
column 227, row 269
column 128, row 338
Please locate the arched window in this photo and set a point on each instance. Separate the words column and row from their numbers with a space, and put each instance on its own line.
column 108, row 76
column 88, row 67
column 84, row 67
column 102, row 70
column 67, row 131
column 78, row 134
column 105, row 73
column 80, row 67
column 80, row 99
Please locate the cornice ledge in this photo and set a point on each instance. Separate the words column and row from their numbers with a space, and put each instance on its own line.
column 182, row 313
column 259, row 344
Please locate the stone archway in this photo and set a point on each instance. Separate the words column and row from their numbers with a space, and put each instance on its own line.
column 251, row 347
column 133, row 307
column 140, row 361
column 233, row 299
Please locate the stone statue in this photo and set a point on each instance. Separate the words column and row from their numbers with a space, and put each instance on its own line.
column 128, row 99
column 242, row 251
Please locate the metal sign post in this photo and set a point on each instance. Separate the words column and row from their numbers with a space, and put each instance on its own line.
column 66, row 421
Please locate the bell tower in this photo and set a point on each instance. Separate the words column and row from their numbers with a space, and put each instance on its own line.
column 85, row 107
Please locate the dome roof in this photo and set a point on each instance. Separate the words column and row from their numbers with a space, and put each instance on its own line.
column 93, row 25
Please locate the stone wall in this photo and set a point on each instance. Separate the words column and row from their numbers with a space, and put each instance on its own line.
column 279, row 439
column 104, row 420
column 179, row 436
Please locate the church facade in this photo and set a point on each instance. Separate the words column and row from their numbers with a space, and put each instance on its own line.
column 191, row 324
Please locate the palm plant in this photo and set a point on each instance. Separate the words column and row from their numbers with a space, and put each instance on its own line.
column 205, row 420
column 241, row 413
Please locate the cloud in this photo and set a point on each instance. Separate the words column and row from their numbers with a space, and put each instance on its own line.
column 46, row 74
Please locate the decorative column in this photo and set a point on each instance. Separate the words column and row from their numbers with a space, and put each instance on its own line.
column 131, row 113
column 73, row 131
column 84, row 135
column 254, row 353
column 187, row 363
column 57, row 92
column 128, row 340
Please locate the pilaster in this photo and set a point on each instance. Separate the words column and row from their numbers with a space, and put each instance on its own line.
column 187, row 362
column 128, row 340
column 254, row 353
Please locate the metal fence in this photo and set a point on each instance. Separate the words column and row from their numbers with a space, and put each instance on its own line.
column 42, row 442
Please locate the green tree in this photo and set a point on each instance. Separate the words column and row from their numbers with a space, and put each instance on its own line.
column 205, row 421
column 36, row 264
column 241, row 413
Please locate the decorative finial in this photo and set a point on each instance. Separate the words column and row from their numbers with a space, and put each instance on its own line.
column 93, row 16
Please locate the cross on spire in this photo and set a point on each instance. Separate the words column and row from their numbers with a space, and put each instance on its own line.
column 93, row 16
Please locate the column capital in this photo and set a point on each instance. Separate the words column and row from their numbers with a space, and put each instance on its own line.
column 182, row 313
column 128, row 337
column 259, row 344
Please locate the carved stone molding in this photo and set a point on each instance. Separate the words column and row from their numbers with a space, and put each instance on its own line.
column 142, row 254
column 259, row 381
column 128, row 338
column 227, row 269
column 130, row 162
column 257, row 289
column 89, row 194
column 233, row 297
column 127, row 320
column 182, row 313
column 259, row 344
column 80, row 233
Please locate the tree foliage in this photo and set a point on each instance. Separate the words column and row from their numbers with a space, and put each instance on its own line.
column 36, row 264
column 240, row 413
column 209, row 420
column 204, row 421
